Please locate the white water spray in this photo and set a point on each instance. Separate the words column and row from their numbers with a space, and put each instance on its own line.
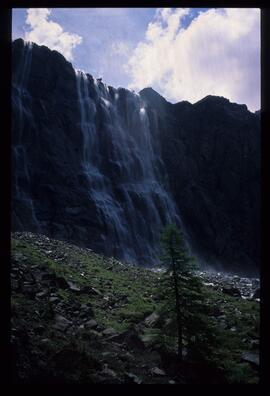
column 124, row 143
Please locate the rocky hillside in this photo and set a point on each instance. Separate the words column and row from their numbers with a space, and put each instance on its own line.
column 80, row 317
column 107, row 169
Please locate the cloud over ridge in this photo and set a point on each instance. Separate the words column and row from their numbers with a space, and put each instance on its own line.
column 218, row 53
column 44, row 31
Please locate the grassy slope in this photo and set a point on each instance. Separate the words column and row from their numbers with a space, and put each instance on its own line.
column 122, row 296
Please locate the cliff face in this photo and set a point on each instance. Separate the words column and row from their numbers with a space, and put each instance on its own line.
column 107, row 168
column 212, row 155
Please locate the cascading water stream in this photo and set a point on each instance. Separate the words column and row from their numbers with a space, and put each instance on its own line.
column 133, row 222
column 23, row 106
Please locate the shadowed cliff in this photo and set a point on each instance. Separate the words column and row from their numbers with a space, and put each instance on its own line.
column 151, row 162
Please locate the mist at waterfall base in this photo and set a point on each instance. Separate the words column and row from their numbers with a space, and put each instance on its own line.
column 121, row 168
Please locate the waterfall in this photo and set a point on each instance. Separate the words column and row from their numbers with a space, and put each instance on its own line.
column 22, row 103
column 120, row 165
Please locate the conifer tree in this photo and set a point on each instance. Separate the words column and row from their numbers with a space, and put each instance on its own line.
column 179, row 265
column 183, row 294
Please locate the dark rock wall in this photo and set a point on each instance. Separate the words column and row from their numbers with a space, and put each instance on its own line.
column 52, row 143
column 211, row 152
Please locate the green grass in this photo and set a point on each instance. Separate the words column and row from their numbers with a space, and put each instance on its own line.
column 120, row 284
column 128, row 295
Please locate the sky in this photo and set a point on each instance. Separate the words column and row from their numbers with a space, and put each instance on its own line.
column 182, row 53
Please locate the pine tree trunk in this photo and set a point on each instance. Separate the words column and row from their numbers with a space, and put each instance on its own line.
column 178, row 314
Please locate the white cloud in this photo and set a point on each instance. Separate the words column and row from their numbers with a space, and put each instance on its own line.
column 46, row 32
column 121, row 48
column 218, row 53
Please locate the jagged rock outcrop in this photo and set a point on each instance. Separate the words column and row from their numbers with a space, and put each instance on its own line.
column 106, row 168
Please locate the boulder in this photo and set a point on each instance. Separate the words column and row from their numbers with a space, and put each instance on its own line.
column 132, row 378
column 254, row 344
column 73, row 287
column 42, row 294
column 109, row 331
column 86, row 312
column 107, row 371
column 157, row 371
column 90, row 324
column 131, row 338
column 257, row 293
column 29, row 289
column 54, row 299
column 252, row 358
column 231, row 291
column 148, row 339
column 62, row 323
column 90, row 290
column 151, row 320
